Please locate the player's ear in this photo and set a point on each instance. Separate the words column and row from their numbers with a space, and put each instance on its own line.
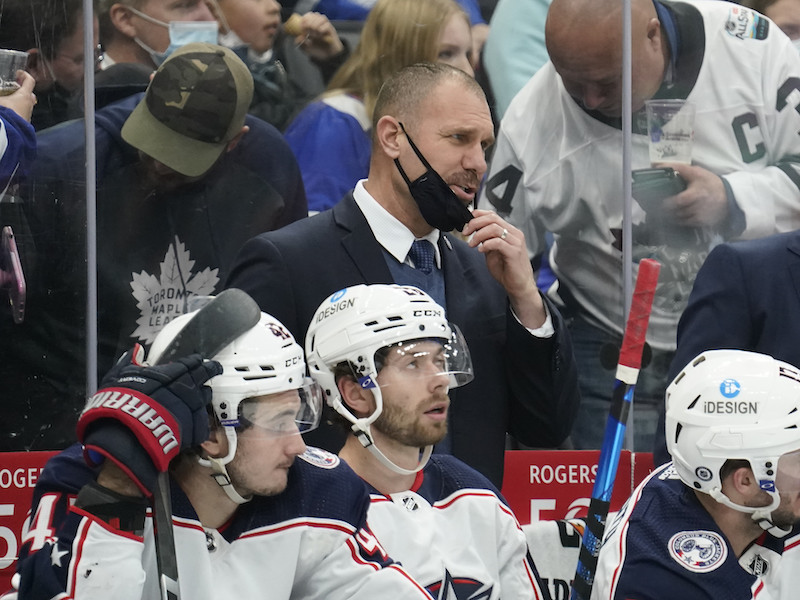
column 387, row 133
column 360, row 401
column 216, row 445
column 743, row 483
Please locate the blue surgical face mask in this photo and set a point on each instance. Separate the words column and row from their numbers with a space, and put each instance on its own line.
column 180, row 34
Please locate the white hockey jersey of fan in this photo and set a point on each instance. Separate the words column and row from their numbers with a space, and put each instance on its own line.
column 555, row 168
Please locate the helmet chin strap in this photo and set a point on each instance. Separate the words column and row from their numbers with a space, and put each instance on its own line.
column 220, row 473
column 361, row 429
column 362, row 432
column 760, row 514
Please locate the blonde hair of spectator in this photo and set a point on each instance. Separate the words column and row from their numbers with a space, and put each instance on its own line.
column 396, row 34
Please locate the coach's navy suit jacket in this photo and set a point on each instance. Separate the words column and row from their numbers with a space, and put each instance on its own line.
column 523, row 385
column 747, row 297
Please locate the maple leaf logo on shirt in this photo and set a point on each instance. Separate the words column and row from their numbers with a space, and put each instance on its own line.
column 161, row 299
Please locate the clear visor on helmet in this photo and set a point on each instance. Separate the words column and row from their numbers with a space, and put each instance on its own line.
column 429, row 357
column 284, row 413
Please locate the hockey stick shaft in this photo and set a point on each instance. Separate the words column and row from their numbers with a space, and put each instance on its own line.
column 630, row 361
column 226, row 317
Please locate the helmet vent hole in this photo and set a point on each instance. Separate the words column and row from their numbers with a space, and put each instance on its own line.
column 259, row 376
column 385, row 327
column 678, row 428
column 699, row 360
column 395, row 318
column 371, row 324
column 691, row 406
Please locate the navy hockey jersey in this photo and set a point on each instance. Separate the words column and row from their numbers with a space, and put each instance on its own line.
column 663, row 544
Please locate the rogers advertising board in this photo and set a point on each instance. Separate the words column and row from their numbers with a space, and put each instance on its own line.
column 557, row 484
column 19, row 472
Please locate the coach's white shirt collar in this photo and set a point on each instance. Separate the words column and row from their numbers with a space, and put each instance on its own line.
column 395, row 237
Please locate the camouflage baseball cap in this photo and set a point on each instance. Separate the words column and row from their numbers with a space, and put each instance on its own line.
column 195, row 104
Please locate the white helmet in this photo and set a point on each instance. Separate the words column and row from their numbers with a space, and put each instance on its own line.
column 733, row 404
column 351, row 325
column 264, row 360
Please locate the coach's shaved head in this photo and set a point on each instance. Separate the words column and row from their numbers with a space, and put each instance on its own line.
column 394, row 98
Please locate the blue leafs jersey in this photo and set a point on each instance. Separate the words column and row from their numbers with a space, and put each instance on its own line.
column 456, row 536
column 663, row 544
column 309, row 542
column 17, row 146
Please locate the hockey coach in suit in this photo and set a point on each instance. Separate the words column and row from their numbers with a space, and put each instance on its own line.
column 431, row 127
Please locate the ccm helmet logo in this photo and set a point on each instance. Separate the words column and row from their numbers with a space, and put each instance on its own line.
column 293, row 361
column 428, row 312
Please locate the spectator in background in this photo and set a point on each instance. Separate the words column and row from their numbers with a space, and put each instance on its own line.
column 357, row 10
column 289, row 68
column 392, row 228
column 143, row 31
column 17, row 153
column 514, row 49
column 785, row 14
column 557, row 168
column 180, row 187
column 136, row 37
column 51, row 32
column 331, row 137
column 17, row 137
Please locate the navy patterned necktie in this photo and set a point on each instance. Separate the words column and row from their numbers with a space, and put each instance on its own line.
column 422, row 255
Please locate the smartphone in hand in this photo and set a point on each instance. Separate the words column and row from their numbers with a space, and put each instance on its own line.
column 651, row 186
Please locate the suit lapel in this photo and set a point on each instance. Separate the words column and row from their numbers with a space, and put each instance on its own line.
column 456, row 275
column 359, row 243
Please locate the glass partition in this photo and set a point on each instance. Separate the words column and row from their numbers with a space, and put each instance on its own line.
column 562, row 171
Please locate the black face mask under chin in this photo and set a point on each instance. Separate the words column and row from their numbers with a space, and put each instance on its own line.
column 439, row 206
